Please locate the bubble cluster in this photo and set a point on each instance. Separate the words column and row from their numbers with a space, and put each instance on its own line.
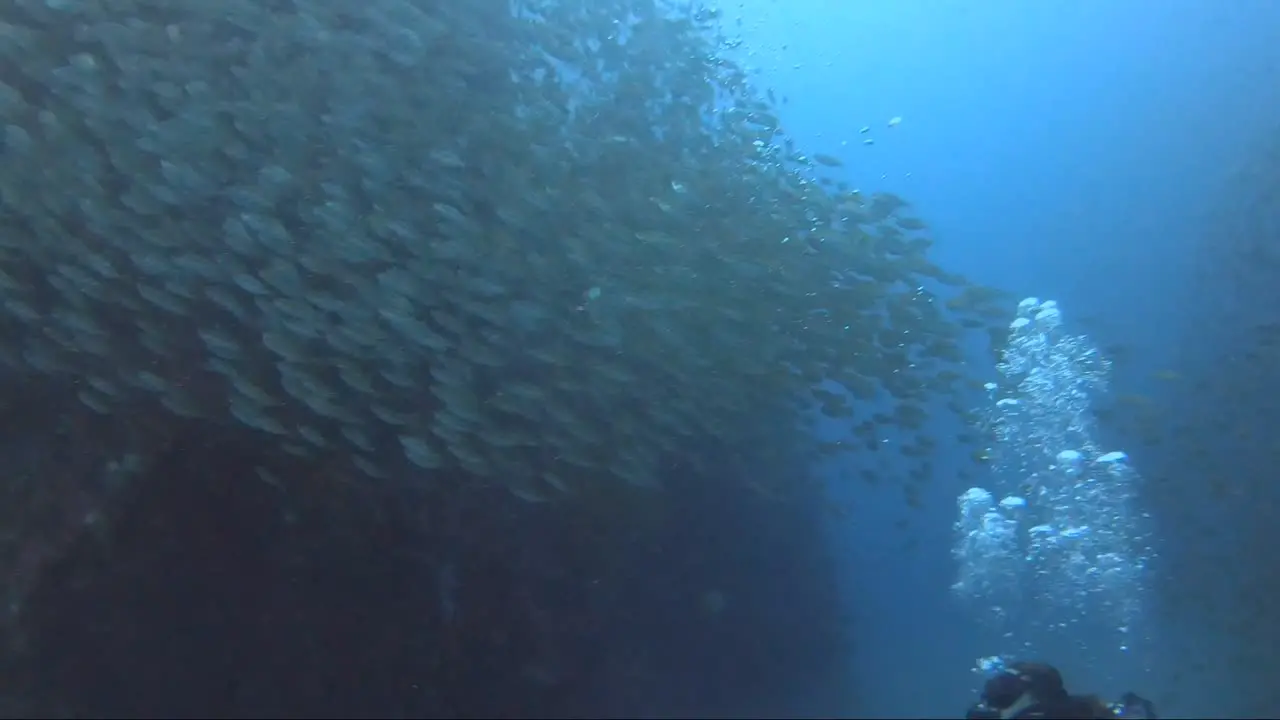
column 987, row 551
column 1067, row 541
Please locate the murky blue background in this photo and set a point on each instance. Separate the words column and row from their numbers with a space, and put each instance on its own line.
column 1080, row 151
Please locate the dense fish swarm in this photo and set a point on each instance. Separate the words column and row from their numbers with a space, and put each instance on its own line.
column 538, row 246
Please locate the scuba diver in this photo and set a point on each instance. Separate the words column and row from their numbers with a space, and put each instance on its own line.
column 1035, row 690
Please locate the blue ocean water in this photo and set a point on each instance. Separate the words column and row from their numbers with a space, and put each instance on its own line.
column 521, row 441
column 1068, row 150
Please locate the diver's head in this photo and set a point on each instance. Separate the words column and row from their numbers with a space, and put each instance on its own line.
column 1021, row 685
column 1135, row 707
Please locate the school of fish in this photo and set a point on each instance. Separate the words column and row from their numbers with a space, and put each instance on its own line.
column 535, row 245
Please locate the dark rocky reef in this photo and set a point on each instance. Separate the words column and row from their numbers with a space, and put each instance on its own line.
column 200, row 588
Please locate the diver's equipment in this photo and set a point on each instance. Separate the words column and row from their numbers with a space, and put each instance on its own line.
column 982, row 712
column 1004, row 689
column 1134, row 707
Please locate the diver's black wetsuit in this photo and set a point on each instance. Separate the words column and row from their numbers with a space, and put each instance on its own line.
column 1034, row 691
column 1072, row 707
